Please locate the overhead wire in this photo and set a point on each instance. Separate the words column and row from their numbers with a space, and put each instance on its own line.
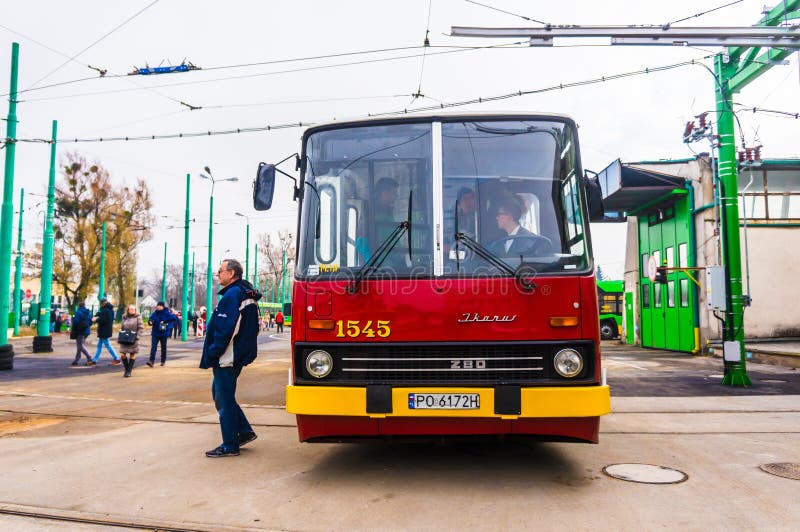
column 247, row 65
column 696, row 15
column 426, row 44
column 97, row 41
column 518, row 44
column 440, row 106
column 508, row 12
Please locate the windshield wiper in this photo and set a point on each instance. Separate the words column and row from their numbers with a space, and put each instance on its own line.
column 386, row 246
column 497, row 262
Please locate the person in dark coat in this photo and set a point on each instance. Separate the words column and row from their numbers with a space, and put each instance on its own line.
column 231, row 344
column 81, row 329
column 162, row 321
column 105, row 330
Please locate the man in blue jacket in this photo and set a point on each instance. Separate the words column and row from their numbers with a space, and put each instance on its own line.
column 162, row 321
column 231, row 344
column 105, row 330
column 81, row 328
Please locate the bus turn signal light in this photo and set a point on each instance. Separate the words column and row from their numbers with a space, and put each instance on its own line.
column 325, row 325
column 564, row 321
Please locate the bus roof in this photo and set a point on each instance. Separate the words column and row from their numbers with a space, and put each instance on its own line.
column 443, row 115
column 611, row 286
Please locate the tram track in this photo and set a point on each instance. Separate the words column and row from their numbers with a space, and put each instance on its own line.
column 106, row 522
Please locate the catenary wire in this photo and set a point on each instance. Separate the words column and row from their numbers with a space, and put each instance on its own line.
column 401, row 112
column 294, row 70
column 508, row 12
column 97, row 41
column 696, row 15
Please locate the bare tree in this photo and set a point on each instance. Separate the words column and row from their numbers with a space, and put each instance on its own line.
column 85, row 199
column 272, row 252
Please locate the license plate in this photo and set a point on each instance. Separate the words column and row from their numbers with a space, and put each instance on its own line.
column 444, row 401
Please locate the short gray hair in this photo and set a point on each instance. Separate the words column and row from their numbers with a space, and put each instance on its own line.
column 235, row 266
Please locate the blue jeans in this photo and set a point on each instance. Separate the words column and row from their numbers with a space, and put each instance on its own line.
column 104, row 342
column 154, row 345
column 232, row 420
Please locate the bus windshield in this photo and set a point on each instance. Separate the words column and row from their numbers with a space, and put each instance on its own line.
column 510, row 187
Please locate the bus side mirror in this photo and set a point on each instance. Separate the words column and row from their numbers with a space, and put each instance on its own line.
column 594, row 197
column 264, row 187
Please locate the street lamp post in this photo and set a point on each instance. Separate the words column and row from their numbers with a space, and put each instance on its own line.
column 209, row 272
column 18, row 264
column 255, row 267
column 246, row 247
column 185, row 284
column 43, row 342
column 164, row 276
column 101, row 292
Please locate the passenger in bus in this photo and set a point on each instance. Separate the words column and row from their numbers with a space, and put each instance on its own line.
column 467, row 212
column 519, row 241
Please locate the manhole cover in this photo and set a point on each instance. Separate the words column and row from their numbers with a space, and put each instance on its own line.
column 784, row 469
column 645, row 473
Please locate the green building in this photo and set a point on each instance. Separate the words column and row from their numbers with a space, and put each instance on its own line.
column 671, row 208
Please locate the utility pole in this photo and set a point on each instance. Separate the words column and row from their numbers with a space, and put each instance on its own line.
column 736, row 67
column 191, row 292
column 283, row 281
column 43, row 342
column 7, row 215
column 101, row 292
column 255, row 267
column 210, row 273
column 185, row 287
column 164, row 277
column 18, row 264
column 246, row 247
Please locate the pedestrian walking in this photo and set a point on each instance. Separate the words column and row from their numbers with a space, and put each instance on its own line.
column 176, row 329
column 129, row 334
column 230, row 344
column 81, row 329
column 267, row 320
column 279, row 321
column 194, row 317
column 105, row 330
column 161, row 321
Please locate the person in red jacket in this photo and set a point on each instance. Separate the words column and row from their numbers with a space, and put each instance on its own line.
column 279, row 321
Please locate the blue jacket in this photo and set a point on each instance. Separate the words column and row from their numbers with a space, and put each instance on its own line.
column 82, row 322
column 158, row 317
column 105, row 321
column 232, row 332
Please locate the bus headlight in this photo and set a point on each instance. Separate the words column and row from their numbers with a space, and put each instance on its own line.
column 568, row 363
column 319, row 363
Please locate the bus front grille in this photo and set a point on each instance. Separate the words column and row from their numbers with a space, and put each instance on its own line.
column 437, row 364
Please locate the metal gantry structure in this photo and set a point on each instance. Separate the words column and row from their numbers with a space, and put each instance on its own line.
column 734, row 68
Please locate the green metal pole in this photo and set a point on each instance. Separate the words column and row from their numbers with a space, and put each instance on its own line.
column 735, row 373
column 164, row 276
column 191, row 292
column 209, row 273
column 255, row 267
column 7, row 216
column 101, row 293
column 283, row 281
column 43, row 326
column 185, row 287
column 247, row 254
column 18, row 266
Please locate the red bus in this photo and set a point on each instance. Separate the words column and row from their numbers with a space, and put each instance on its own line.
column 444, row 280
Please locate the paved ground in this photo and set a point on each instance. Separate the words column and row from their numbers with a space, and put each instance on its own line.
column 84, row 443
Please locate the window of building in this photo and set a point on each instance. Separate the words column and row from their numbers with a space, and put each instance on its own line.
column 670, row 251
column 684, row 292
column 645, row 295
column 671, row 294
column 772, row 194
column 683, row 259
column 657, row 296
column 645, row 264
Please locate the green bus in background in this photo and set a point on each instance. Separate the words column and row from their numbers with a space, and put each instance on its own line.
column 610, row 301
column 273, row 308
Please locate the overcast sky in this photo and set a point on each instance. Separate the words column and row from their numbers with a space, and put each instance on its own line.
column 637, row 118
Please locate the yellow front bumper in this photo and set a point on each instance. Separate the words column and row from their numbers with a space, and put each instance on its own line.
column 585, row 401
